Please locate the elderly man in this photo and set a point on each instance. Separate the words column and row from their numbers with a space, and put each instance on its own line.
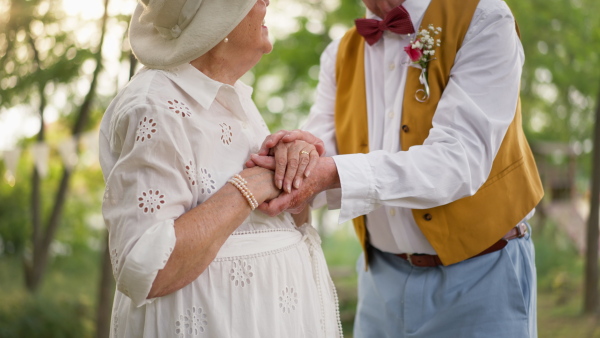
column 418, row 108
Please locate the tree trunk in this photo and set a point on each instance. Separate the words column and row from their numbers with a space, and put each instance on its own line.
column 590, row 295
column 36, row 190
column 42, row 250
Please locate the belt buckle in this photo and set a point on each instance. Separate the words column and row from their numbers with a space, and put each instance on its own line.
column 521, row 230
column 409, row 259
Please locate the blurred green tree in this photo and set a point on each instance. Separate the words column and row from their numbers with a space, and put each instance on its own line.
column 562, row 68
column 38, row 56
column 559, row 86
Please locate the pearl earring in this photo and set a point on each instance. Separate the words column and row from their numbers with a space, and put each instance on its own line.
column 226, row 40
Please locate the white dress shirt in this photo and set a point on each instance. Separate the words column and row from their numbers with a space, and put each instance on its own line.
column 470, row 122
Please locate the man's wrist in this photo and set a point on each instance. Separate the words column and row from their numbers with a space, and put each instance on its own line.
column 330, row 178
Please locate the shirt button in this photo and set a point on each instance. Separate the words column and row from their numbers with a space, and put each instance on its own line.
column 427, row 217
column 405, row 128
column 391, row 114
column 392, row 66
column 244, row 125
column 392, row 212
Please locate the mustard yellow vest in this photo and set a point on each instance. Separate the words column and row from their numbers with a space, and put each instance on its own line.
column 463, row 228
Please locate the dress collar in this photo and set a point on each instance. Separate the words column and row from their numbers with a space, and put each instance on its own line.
column 201, row 87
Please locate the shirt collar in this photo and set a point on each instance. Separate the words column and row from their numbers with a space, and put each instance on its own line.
column 415, row 8
column 201, row 87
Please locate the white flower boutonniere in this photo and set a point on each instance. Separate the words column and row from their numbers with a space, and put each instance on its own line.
column 421, row 52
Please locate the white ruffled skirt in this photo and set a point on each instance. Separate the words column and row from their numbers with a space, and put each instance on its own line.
column 269, row 283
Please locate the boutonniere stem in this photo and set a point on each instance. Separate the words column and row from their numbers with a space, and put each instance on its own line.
column 421, row 51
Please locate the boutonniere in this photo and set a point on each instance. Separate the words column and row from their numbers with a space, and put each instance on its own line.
column 421, row 52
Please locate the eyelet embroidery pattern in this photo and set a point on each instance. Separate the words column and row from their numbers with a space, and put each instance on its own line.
column 288, row 300
column 190, row 171
column 179, row 108
column 226, row 133
column 114, row 258
column 241, row 273
column 115, row 325
column 192, row 322
column 108, row 197
column 146, row 128
column 151, row 201
column 206, row 182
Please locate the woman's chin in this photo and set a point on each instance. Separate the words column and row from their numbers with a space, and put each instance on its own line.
column 267, row 46
column 269, row 49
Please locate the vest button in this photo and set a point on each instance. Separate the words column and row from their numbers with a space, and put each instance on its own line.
column 427, row 217
column 405, row 128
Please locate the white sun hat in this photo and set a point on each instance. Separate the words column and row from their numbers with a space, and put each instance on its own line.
column 168, row 33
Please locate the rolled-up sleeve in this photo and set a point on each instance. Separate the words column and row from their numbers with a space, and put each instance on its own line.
column 146, row 190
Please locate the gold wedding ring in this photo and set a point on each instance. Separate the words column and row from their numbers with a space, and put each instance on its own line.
column 304, row 152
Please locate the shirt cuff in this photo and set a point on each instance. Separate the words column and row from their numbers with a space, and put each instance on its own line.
column 334, row 198
column 358, row 186
column 148, row 255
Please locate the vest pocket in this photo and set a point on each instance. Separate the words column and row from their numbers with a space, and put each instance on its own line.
column 493, row 179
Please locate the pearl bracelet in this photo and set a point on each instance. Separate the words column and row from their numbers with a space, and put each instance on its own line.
column 240, row 183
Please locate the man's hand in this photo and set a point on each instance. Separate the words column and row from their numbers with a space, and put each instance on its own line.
column 324, row 177
column 287, row 136
column 296, row 153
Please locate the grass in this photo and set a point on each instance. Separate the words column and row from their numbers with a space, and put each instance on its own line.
column 560, row 287
column 564, row 320
column 65, row 305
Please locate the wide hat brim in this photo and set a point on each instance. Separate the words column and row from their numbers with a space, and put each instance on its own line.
column 214, row 20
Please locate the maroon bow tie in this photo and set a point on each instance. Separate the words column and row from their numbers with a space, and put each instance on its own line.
column 397, row 20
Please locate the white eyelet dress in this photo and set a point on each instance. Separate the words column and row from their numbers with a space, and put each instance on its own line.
column 168, row 141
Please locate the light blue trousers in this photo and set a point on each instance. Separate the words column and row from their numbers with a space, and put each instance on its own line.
column 488, row 296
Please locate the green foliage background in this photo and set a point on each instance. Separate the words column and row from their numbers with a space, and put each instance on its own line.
column 560, row 84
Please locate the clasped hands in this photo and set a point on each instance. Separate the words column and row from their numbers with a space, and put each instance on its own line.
column 300, row 169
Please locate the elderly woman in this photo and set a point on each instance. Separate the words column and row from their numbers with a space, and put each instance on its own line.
column 189, row 254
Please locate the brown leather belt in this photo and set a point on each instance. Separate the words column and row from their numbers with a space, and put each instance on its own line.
column 423, row 260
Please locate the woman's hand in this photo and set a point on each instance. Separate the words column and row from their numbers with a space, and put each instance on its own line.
column 261, row 183
column 296, row 153
column 293, row 162
column 324, row 176
column 287, row 136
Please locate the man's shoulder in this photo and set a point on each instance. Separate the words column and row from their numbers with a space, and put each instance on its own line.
column 330, row 52
column 487, row 7
column 333, row 46
column 489, row 12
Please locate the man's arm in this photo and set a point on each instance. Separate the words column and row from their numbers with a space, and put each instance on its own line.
column 468, row 128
